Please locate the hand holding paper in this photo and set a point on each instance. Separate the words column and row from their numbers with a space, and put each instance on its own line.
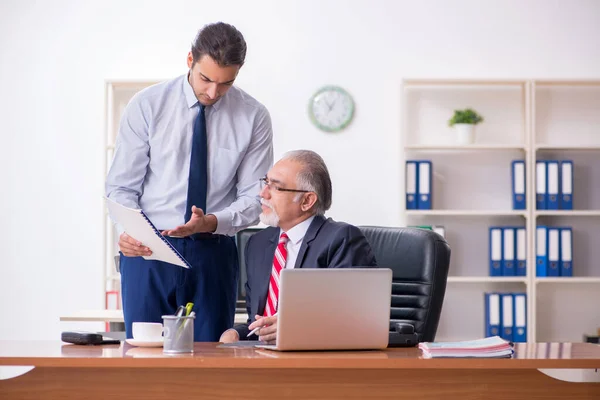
column 138, row 226
column 131, row 247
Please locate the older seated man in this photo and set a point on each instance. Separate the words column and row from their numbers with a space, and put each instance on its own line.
column 295, row 195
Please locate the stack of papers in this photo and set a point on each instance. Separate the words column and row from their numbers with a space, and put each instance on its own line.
column 490, row 347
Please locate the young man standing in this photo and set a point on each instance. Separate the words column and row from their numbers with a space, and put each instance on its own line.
column 190, row 152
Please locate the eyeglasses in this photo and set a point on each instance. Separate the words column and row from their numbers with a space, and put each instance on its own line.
column 264, row 181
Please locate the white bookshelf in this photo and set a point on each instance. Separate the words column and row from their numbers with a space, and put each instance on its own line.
column 567, row 213
column 569, row 147
column 471, row 191
column 466, row 213
column 566, row 126
column 117, row 96
column 471, row 147
column 567, row 280
column 487, row 279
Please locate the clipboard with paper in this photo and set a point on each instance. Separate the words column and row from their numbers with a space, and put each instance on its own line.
column 138, row 226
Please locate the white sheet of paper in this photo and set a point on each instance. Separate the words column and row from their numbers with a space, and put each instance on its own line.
column 140, row 228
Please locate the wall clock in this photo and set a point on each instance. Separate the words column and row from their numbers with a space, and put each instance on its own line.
column 331, row 108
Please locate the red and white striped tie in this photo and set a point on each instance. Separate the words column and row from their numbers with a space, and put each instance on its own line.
column 278, row 265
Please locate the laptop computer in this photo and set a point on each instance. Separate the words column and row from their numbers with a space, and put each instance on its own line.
column 333, row 309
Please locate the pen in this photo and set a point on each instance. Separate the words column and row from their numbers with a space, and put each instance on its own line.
column 188, row 308
column 180, row 311
column 192, row 314
column 253, row 331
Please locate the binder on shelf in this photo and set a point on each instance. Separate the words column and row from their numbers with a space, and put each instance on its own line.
column 139, row 226
column 412, row 182
column 566, row 251
column 508, row 254
column 552, row 188
column 540, row 185
column 518, row 185
column 553, row 252
column 507, row 316
column 566, row 187
column 492, row 314
column 496, row 249
column 520, row 317
column 541, row 250
column 521, row 251
column 424, row 185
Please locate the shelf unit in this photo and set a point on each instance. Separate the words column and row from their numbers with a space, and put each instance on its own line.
column 473, row 147
column 567, row 280
column 566, row 126
column 471, row 191
column 567, row 213
column 117, row 94
column 466, row 213
column 487, row 279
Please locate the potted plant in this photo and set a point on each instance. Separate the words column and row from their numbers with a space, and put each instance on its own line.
column 464, row 122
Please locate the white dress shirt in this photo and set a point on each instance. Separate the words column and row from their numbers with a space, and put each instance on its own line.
column 296, row 235
column 151, row 165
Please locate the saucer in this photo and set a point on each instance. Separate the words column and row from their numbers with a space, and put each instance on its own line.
column 141, row 352
column 145, row 343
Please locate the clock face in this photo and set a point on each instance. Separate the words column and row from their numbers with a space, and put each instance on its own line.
column 331, row 109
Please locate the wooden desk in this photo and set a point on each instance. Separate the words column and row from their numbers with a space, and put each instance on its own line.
column 65, row 371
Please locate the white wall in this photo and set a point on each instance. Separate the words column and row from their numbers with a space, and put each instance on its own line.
column 55, row 56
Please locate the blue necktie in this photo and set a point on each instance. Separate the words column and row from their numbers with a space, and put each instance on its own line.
column 196, row 195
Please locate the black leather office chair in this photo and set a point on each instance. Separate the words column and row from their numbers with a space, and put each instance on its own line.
column 419, row 260
column 241, row 239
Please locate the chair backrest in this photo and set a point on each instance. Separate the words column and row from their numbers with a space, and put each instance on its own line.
column 241, row 239
column 419, row 260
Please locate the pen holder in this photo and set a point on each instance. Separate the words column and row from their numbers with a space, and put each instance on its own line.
column 179, row 334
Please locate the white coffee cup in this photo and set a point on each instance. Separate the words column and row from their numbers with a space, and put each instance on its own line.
column 147, row 331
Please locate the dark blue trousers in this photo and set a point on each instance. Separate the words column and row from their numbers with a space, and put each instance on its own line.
column 151, row 289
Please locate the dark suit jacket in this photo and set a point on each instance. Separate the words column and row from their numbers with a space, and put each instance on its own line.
column 327, row 244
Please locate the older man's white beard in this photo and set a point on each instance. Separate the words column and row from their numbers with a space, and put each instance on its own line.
column 271, row 219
